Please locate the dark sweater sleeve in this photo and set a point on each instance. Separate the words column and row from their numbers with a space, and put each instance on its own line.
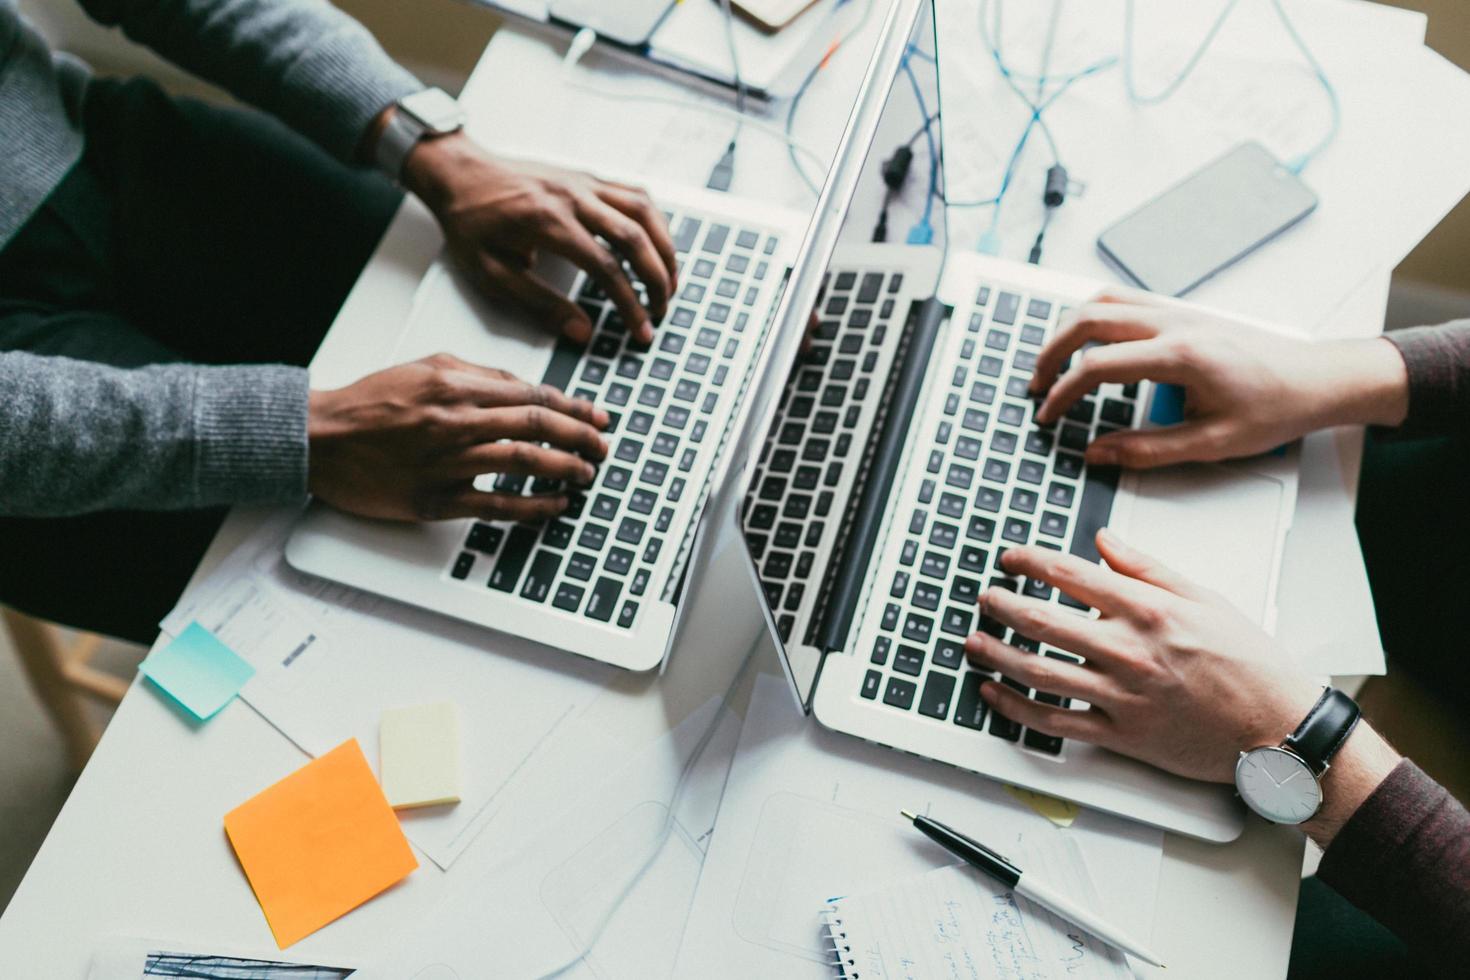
column 77, row 436
column 305, row 61
column 1404, row 858
column 1438, row 359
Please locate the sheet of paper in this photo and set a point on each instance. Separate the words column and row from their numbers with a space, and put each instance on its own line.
column 611, row 873
column 129, row 958
column 198, row 671
column 418, row 752
column 956, row 922
column 325, row 654
column 694, row 35
column 810, row 814
column 319, row 843
column 1405, row 124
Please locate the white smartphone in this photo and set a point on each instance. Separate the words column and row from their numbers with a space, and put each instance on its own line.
column 1207, row 222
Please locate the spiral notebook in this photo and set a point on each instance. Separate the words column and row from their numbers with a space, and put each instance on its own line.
column 957, row 922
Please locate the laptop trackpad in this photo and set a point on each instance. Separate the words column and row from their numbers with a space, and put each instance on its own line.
column 1214, row 524
column 450, row 315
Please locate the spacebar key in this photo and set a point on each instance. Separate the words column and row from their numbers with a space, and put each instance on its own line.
column 604, row 599
column 1094, row 510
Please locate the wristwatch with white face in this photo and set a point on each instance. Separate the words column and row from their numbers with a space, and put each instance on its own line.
column 423, row 115
column 1283, row 783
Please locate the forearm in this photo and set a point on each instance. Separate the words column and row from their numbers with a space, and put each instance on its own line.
column 1403, row 857
column 303, row 60
column 78, row 437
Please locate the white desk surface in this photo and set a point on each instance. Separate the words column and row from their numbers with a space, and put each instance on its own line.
column 139, row 847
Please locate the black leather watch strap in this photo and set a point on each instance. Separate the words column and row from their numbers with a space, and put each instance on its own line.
column 1329, row 723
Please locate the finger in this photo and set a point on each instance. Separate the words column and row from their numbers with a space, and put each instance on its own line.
column 469, row 502
column 1128, row 560
column 1047, row 622
column 576, row 244
column 542, row 302
column 1130, row 296
column 632, row 242
column 1103, row 323
column 1081, row 579
column 1042, row 673
column 535, row 424
column 1145, row 449
column 637, row 205
column 1123, row 363
column 522, row 459
column 500, row 393
column 1089, row 726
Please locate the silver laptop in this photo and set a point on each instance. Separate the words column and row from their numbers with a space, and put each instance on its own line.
column 899, row 459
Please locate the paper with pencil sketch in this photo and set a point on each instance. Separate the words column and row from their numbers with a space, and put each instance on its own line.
column 956, row 922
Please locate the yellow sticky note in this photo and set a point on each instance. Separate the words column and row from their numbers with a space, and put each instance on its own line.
column 319, row 843
column 419, row 751
column 1059, row 812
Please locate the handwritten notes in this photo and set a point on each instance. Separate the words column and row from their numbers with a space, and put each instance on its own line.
column 198, row 671
column 418, row 750
column 956, row 922
column 319, row 843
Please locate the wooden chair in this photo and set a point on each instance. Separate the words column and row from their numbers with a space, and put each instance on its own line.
column 61, row 674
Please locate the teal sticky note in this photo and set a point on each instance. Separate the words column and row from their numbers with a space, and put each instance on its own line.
column 198, row 671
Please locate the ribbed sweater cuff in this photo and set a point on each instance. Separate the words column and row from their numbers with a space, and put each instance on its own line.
column 338, row 90
column 250, row 430
column 1438, row 362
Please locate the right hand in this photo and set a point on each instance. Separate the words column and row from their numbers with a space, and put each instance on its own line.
column 407, row 442
column 1246, row 390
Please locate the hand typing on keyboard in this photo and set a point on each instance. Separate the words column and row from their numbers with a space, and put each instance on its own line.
column 498, row 214
column 1246, row 390
column 406, row 443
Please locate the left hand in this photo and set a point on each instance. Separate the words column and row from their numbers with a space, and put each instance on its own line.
column 1174, row 675
column 497, row 214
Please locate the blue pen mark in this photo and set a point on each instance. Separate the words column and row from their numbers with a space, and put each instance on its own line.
column 1168, row 405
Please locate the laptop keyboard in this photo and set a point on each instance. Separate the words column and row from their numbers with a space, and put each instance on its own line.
column 617, row 543
column 807, row 470
column 986, row 478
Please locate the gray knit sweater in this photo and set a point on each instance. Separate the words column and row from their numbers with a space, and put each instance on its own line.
column 78, row 437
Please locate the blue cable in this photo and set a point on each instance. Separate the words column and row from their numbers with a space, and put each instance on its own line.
column 922, row 233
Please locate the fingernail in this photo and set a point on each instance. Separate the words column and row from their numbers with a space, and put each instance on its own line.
column 603, row 444
column 1106, row 534
column 987, row 690
column 602, row 419
column 589, row 473
column 578, row 330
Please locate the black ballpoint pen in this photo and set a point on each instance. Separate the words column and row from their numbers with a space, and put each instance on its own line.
column 978, row 856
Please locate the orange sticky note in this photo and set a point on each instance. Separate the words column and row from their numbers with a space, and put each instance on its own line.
column 319, row 843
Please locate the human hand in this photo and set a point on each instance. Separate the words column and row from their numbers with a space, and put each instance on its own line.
column 1246, row 390
column 406, row 443
column 498, row 214
column 1173, row 674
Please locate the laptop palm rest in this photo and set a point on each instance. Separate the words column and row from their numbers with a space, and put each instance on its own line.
column 1231, row 552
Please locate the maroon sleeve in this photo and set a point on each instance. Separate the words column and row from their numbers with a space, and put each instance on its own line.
column 1404, row 858
column 1438, row 359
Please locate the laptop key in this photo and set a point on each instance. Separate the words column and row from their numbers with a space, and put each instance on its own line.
column 568, row 597
column 872, row 682
column 639, row 585
column 619, row 561
column 949, row 654
column 463, row 564
column 909, row 660
column 1094, row 510
column 604, row 599
column 938, row 690
column 558, row 534
column 969, row 710
column 900, row 693
column 507, row 570
column 581, row 566
column 484, row 538
column 630, row 610
column 881, row 647
column 539, row 578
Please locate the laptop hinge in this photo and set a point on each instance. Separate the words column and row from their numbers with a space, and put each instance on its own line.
column 862, row 524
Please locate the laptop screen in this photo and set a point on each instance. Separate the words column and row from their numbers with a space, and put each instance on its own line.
column 871, row 260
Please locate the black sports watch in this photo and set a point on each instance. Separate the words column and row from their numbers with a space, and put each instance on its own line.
column 1283, row 783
